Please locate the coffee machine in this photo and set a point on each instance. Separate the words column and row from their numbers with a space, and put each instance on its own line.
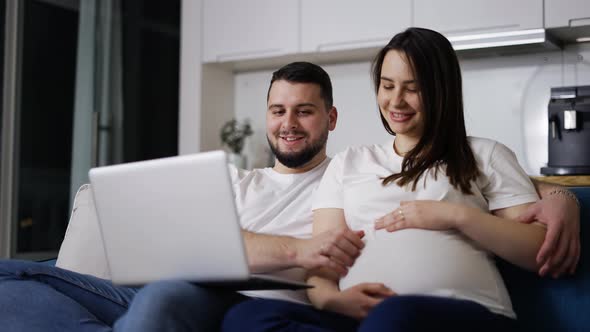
column 569, row 131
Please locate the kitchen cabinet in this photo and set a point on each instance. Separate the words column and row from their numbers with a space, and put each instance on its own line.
column 334, row 25
column 241, row 30
column 462, row 17
column 566, row 13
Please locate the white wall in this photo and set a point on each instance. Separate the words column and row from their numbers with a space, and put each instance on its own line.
column 506, row 99
column 189, row 121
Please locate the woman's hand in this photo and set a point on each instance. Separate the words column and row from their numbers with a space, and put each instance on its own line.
column 358, row 300
column 433, row 215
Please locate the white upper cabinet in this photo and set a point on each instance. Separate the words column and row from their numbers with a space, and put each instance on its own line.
column 567, row 13
column 461, row 17
column 335, row 25
column 249, row 29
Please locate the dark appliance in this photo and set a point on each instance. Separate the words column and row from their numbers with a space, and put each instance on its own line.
column 569, row 131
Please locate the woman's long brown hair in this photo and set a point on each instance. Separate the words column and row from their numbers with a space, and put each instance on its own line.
column 444, row 141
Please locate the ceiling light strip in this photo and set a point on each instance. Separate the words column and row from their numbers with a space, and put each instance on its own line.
column 511, row 33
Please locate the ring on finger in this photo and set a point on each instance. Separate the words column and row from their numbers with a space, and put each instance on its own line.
column 401, row 214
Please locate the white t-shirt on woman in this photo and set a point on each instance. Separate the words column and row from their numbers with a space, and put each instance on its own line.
column 415, row 261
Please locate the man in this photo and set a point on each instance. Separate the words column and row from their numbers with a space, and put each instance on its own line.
column 275, row 209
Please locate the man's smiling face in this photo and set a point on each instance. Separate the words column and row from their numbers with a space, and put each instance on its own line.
column 297, row 122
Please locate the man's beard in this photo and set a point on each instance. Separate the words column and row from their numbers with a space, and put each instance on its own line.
column 298, row 159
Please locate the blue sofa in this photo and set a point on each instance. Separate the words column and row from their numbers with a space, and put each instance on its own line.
column 546, row 304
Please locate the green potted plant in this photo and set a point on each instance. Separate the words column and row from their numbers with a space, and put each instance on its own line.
column 233, row 136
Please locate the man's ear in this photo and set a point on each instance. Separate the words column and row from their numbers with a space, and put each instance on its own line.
column 333, row 118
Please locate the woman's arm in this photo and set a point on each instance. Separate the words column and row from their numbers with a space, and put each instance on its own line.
column 501, row 234
column 326, row 295
column 325, row 280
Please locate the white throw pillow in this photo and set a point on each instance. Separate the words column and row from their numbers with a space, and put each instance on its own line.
column 82, row 249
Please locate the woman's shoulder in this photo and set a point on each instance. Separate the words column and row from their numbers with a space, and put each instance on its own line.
column 480, row 144
column 488, row 151
column 486, row 147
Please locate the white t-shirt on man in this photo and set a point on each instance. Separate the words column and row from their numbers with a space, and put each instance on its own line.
column 415, row 261
column 278, row 204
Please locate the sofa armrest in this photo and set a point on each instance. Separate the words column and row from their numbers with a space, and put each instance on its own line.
column 546, row 304
column 82, row 249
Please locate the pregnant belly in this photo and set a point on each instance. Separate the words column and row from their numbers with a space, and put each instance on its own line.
column 425, row 262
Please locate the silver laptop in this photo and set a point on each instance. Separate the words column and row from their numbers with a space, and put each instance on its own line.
column 174, row 218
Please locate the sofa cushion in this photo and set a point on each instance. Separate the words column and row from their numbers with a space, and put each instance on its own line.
column 546, row 304
column 82, row 249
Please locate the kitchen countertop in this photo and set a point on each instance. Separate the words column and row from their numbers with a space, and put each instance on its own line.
column 566, row 180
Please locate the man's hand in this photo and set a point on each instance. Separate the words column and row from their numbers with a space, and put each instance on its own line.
column 560, row 251
column 334, row 249
column 358, row 300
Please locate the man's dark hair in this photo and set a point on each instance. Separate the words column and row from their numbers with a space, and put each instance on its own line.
column 305, row 72
column 444, row 140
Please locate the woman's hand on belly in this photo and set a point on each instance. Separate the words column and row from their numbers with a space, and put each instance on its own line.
column 358, row 300
column 423, row 214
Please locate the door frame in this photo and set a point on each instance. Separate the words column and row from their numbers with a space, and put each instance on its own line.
column 10, row 124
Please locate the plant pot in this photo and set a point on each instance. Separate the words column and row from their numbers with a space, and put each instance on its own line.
column 237, row 159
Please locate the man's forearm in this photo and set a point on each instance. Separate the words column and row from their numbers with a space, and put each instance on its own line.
column 545, row 188
column 270, row 252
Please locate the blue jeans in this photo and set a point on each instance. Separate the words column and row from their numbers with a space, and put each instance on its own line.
column 36, row 297
column 396, row 314
column 257, row 315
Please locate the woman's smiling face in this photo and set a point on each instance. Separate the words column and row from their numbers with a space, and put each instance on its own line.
column 399, row 96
